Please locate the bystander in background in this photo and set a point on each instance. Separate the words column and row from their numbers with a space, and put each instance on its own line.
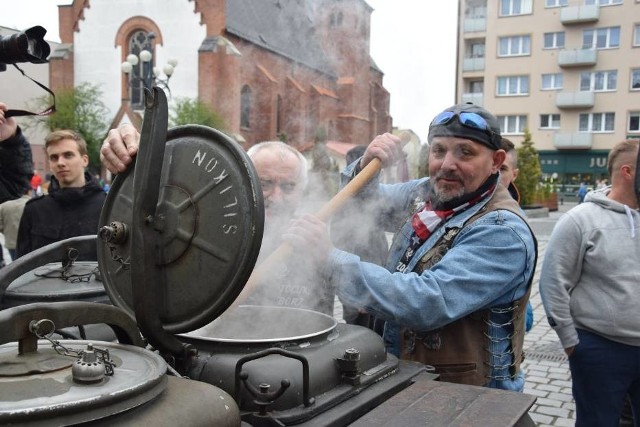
column 74, row 201
column 10, row 214
column 508, row 174
column 582, row 192
column 589, row 289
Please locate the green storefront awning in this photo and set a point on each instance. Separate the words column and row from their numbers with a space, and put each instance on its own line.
column 562, row 162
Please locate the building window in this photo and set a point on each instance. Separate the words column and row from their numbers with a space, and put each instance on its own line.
column 634, row 121
column 515, row 7
column 555, row 3
column 476, row 86
column 138, row 42
column 636, row 35
column 603, row 2
column 554, row 40
column 477, row 49
column 635, row 79
column 549, row 121
column 245, row 107
column 601, row 38
column 514, row 46
column 335, row 19
column 512, row 125
column 475, row 10
column 596, row 122
column 552, row 81
column 513, row 85
column 599, row 81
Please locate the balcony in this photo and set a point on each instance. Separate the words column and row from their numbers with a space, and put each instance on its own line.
column 579, row 14
column 473, row 64
column 475, row 25
column 577, row 57
column 572, row 141
column 568, row 100
column 474, row 98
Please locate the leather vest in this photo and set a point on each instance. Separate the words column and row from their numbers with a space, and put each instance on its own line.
column 459, row 351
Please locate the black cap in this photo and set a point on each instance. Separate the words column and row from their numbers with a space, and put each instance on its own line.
column 489, row 137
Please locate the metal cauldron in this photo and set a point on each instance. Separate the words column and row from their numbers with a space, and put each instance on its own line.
column 45, row 382
column 309, row 361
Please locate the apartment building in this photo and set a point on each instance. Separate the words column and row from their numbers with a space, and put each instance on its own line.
column 566, row 70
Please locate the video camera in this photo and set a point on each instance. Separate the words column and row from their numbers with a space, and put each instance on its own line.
column 26, row 46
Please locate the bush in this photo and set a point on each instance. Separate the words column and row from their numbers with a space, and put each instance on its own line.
column 530, row 171
column 188, row 111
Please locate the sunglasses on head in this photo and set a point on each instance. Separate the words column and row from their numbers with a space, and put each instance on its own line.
column 470, row 120
column 467, row 119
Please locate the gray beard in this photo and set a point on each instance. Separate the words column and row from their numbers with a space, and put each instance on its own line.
column 438, row 197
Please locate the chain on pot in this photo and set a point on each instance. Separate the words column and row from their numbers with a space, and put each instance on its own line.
column 40, row 330
column 65, row 272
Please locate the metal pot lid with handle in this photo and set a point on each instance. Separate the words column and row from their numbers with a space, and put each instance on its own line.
column 53, row 273
column 181, row 231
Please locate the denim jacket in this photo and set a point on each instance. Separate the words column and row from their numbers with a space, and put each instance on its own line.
column 489, row 265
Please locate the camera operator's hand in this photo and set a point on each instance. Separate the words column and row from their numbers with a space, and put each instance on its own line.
column 8, row 126
column 120, row 146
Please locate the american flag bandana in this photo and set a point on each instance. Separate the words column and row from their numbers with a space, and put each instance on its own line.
column 427, row 220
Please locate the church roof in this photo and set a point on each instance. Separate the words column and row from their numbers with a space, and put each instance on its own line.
column 286, row 27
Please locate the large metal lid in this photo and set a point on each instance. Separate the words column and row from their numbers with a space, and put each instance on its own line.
column 54, row 282
column 37, row 387
column 203, row 238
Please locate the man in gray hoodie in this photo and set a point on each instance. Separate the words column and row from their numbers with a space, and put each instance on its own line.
column 590, row 289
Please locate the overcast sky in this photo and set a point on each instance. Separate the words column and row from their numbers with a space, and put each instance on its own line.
column 412, row 41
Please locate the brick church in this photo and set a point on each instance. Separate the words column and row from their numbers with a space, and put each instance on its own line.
column 272, row 69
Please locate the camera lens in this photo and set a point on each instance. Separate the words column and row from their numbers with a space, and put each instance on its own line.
column 27, row 46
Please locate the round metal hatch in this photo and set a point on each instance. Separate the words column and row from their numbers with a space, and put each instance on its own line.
column 39, row 392
column 208, row 222
column 53, row 282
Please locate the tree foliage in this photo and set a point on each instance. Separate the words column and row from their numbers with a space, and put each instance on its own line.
column 530, row 171
column 82, row 110
column 189, row 111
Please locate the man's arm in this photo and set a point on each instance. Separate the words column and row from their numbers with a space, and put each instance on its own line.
column 489, row 264
column 16, row 166
column 560, row 273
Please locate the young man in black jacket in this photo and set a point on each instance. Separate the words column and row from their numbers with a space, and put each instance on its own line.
column 72, row 207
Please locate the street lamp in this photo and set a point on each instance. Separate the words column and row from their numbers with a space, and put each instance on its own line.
column 142, row 74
